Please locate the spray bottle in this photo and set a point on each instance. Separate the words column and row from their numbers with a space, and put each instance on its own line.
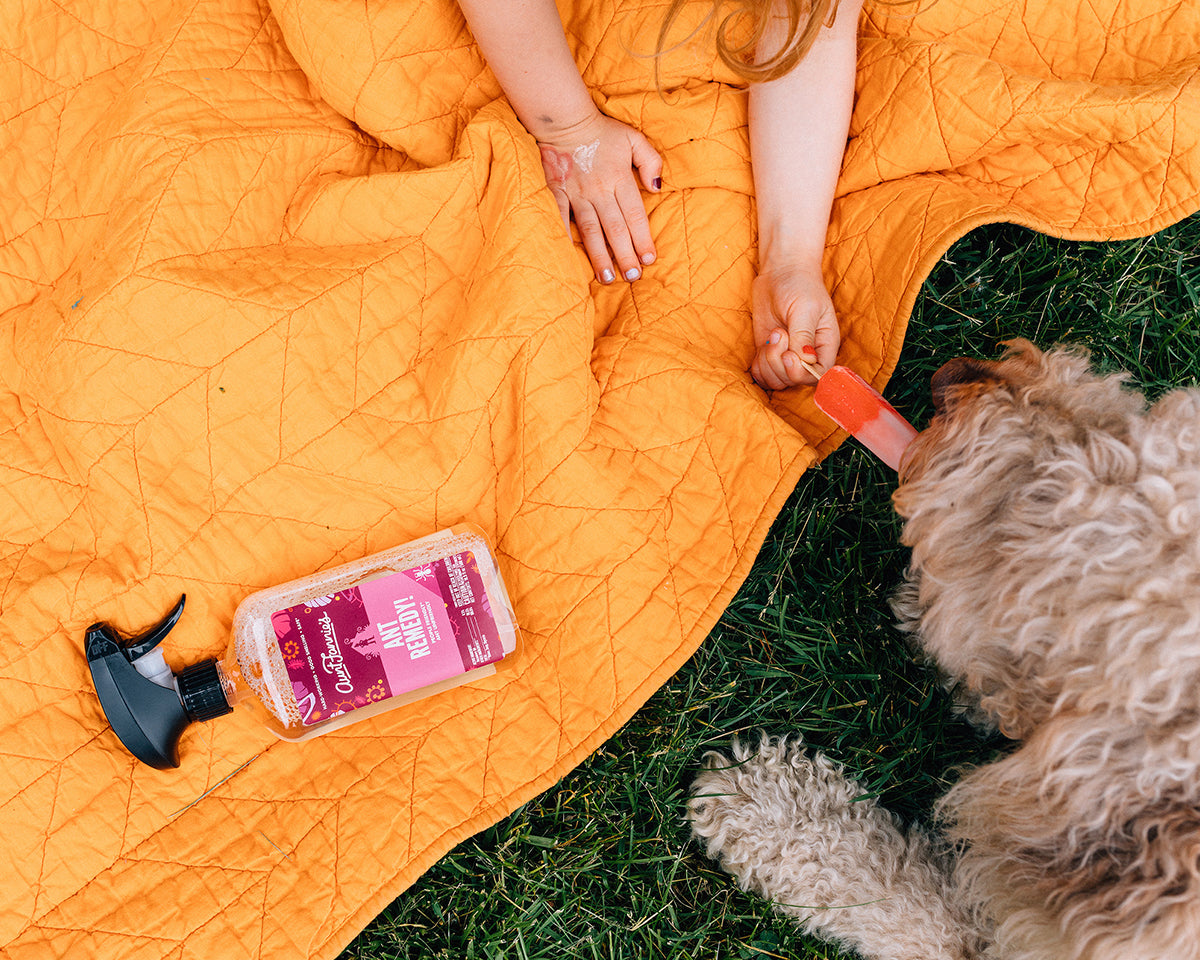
column 321, row 652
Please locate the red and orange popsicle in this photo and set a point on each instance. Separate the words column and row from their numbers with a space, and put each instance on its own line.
column 851, row 402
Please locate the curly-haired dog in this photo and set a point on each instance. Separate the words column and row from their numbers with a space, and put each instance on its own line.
column 1054, row 521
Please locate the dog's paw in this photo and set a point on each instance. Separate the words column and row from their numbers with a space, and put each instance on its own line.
column 772, row 810
column 792, row 827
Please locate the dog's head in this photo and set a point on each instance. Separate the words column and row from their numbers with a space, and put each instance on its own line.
column 1025, row 505
column 1054, row 521
column 1020, row 411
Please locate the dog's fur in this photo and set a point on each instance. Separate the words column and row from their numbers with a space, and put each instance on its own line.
column 1054, row 522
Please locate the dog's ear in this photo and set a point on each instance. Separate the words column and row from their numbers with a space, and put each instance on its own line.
column 1076, row 856
column 951, row 378
column 1020, row 362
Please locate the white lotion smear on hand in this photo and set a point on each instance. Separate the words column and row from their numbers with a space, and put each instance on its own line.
column 584, row 156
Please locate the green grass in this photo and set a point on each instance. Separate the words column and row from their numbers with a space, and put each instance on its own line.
column 601, row 865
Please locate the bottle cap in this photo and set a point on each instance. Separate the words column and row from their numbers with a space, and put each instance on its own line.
column 201, row 691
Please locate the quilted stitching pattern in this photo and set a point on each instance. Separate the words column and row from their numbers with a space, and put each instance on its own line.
column 248, row 338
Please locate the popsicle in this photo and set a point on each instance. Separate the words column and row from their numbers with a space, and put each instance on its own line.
column 850, row 402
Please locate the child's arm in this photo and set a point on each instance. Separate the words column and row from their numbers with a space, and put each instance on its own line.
column 588, row 158
column 798, row 127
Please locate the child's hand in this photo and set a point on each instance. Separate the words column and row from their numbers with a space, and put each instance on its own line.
column 793, row 318
column 590, row 171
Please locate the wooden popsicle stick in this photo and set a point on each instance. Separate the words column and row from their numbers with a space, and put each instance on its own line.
column 814, row 368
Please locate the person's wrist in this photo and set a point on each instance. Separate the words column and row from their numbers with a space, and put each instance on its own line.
column 570, row 128
column 781, row 249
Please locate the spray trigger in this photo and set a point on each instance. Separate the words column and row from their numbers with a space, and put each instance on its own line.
column 138, row 647
column 147, row 705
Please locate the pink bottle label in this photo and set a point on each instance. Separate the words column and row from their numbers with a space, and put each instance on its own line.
column 387, row 636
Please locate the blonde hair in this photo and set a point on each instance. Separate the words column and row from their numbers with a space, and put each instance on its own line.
column 804, row 20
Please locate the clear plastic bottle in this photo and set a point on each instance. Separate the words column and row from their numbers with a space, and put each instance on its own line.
column 321, row 652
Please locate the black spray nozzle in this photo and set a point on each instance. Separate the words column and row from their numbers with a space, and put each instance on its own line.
column 137, row 647
column 147, row 714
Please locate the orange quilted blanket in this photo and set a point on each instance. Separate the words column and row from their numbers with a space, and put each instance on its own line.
column 282, row 286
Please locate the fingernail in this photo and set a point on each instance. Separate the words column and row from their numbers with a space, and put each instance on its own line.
column 656, row 183
column 647, row 258
column 632, row 273
column 607, row 276
column 773, row 339
column 788, row 361
column 808, row 350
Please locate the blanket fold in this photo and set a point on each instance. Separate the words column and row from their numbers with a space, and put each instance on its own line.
column 282, row 286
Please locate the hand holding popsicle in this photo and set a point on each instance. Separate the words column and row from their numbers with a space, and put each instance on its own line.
column 794, row 326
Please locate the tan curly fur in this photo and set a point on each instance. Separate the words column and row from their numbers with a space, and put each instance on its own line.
column 1054, row 522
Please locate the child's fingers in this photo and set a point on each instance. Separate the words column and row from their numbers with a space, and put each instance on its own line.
column 802, row 369
column 647, row 161
column 591, row 233
column 776, row 366
column 637, row 226
column 810, row 324
column 769, row 375
column 828, row 341
column 805, row 364
column 769, row 367
column 616, row 232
